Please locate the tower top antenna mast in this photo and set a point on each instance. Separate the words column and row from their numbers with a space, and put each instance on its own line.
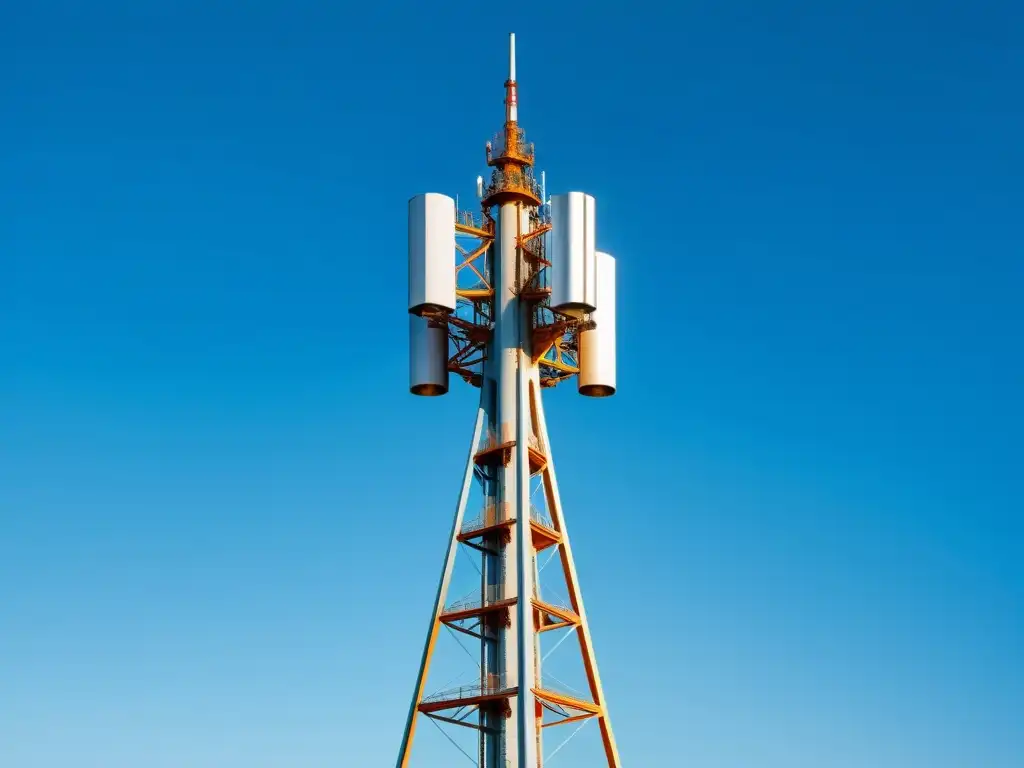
column 512, row 56
column 511, row 97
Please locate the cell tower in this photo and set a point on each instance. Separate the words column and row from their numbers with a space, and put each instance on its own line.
column 514, row 300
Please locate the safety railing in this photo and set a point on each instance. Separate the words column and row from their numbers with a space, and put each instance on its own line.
column 512, row 181
column 469, row 219
column 493, row 593
column 515, row 147
column 490, row 686
column 493, row 514
column 541, row 516
column 553, row 684
column 491, row 440
column 534, row 248
column 535, row 280
column 562, row 603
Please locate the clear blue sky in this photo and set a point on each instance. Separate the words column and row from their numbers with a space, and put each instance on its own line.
column 798, row 524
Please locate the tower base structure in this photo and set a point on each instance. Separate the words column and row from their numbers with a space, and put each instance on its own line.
column 497, row 696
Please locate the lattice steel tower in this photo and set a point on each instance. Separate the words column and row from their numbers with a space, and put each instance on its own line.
column 513, row 300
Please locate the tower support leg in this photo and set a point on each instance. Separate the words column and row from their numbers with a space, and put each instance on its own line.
column 442, row 594
column 527, row 638
column 554, row 503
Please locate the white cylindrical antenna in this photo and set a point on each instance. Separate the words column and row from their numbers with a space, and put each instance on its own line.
column 428, row 357
column 572, row 253
column 597, row 345
column 480, row 186
column 543, row 188
column 431, row 253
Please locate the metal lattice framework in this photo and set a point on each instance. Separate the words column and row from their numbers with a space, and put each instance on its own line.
column 555, row 335
column 506, row 339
